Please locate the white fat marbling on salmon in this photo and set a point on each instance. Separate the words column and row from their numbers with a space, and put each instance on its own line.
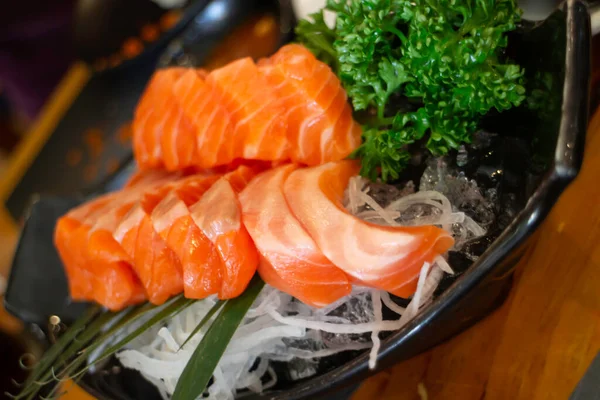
column 174, row 135
column 169, row 210
column 274, row 230
column 217, row 213
column 106, row 218
column 365, row 251
column 131, row 220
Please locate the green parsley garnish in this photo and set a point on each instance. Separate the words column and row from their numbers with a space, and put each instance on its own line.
column 445, row 58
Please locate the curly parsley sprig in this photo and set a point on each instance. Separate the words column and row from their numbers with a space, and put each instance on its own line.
column 444, row 56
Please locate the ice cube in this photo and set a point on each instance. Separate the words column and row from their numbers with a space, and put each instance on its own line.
column 463, row 193
column 435, row 175
column 301, row 368
column 414, row 212
column 462, row 158
column 359, row 309
column 382, row 193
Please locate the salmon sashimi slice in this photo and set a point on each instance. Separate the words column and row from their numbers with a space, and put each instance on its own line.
column 260, row 128
column 292, row 262
column 201, row 103
column 162, row 135
column 178, row 140
column 218, row 215
column 155, row 264
column 382, row 257
column 84, row 239
column 173, row 221
column 81, row 282
column 71, row 249
column 141, row 178
column 119, row 286
column 146, row 135
column 320, row 126
column 200, row 259
column 111, row 284
column 93, row 264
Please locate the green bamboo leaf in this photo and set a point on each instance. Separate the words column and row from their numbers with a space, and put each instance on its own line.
column 55, row 351
column 205, row 358
column 90, row 332
column 82, row 337
column 76, row 355
column 207, row 317
column 132, row 316
column 168, row 310
column 123, row 319
column 79, row 366
column 172, row 309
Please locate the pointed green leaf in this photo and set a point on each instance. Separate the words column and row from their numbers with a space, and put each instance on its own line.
column 81, row 339
column 205, row 358
column 173, row 307
column 76, row 354
column 90, row 332
column 55, row 351
column 207, row 317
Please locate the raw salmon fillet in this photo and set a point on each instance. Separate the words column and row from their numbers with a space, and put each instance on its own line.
column 202, row 105
column 219, row 217
column 97, row 267
column 387, row 258
column 162, row 135
column 320, row 127
column 258, row 115
column 291, row 260
column 72, row 250
column 155, row 264
column 173, row 221
column 290, row 107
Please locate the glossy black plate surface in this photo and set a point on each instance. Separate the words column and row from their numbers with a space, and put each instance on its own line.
column 557, row 50
column 102, row 26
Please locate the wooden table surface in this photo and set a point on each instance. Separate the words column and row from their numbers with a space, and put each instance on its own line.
column 536, row 346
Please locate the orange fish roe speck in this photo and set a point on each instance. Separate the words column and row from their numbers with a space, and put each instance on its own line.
column 94, row 140
column 168, row 20
column 74, row 157
column 125, row 133
column 264, row 26
column 112, row 166
column 90, row 172
column 150, row 32
column 114, row 60
column 132, row 47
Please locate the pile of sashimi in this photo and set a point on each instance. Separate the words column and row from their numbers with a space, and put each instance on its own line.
column 294, row 210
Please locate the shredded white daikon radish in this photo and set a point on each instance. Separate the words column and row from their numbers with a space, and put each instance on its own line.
column 389, row 303
column 280, row 328
column 376, row 298
column 443, row 264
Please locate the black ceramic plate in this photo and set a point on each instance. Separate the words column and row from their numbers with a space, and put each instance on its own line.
column 558, row 51
column 101, row 27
